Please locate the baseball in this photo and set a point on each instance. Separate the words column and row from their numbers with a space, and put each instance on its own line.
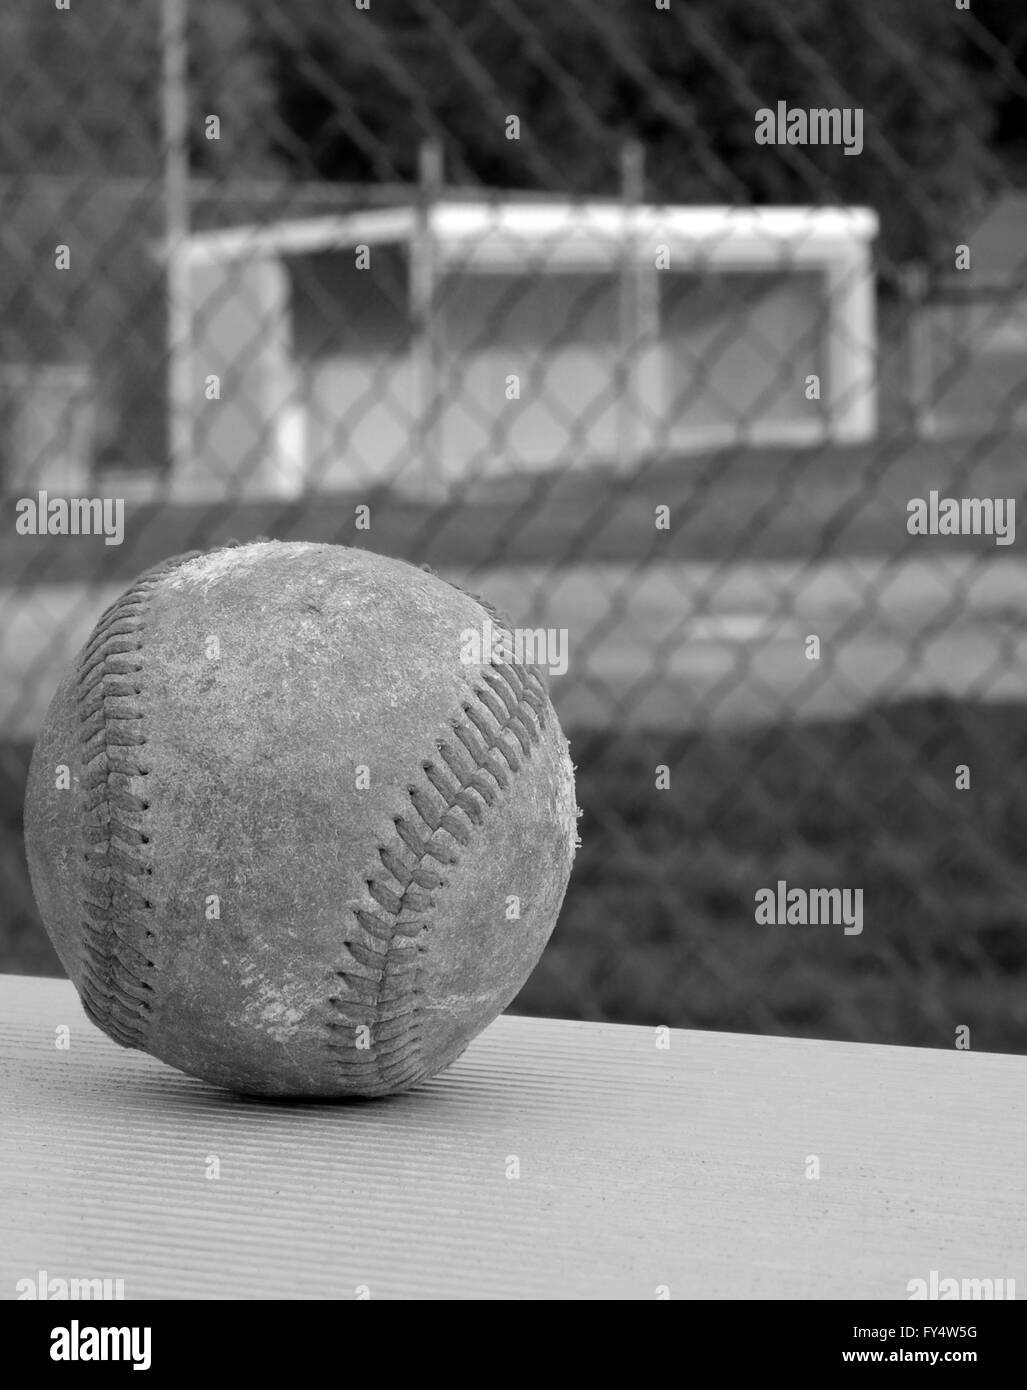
column 284, row 835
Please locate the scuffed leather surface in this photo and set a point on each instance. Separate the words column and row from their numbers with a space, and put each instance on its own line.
column 260, row 918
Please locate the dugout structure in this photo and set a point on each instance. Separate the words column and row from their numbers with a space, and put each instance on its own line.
column 423, row 346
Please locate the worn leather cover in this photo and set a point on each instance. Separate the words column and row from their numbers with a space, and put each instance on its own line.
column 303, row 849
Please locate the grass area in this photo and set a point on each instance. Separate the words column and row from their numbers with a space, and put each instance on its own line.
column 730, row 504
column 658, row 924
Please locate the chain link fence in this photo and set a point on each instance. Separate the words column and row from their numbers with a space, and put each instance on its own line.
column 652, row 322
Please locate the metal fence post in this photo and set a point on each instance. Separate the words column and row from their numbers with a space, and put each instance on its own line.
column 425, row 339
column 630, row 309
column 914, row 282
column 175, row 112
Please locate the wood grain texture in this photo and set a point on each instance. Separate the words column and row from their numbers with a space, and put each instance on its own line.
column 639, row 1168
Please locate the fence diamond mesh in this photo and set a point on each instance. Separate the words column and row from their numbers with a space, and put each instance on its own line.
column 695, row 332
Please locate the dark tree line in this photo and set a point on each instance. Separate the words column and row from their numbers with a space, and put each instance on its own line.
column 316, row 90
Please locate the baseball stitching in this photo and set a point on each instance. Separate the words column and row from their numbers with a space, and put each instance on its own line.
column 118, row 939
column 504, row 719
